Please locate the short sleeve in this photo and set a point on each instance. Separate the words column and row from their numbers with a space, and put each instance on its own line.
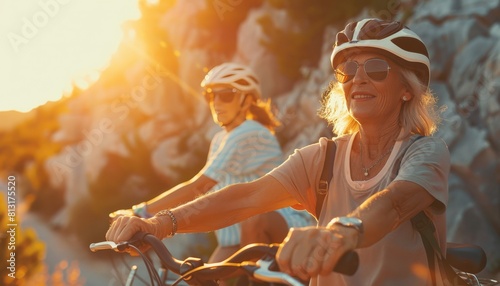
column 243, row 153
column 300, row 173
column 427, row 163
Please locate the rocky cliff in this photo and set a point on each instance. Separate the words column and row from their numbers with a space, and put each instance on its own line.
column 160, row 112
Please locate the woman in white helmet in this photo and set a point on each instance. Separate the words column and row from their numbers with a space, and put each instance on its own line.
column 387, row 169
column 244, row 150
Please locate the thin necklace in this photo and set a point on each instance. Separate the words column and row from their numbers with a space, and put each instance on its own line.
column 365, row 170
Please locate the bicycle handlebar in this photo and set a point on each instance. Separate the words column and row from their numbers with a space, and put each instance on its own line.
column 193, row 269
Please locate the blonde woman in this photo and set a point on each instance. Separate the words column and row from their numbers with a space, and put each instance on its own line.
column 387, row 168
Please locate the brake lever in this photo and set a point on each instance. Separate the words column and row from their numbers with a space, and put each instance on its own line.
column 136, row 240
column 94, row 247
column 264, row 273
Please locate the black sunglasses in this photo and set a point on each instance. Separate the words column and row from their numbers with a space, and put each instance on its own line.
column 224, row 95
column 376, row 69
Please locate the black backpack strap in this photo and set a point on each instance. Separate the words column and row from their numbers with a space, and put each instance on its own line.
column 326, row 175
column 426, row 229
column 327, row 172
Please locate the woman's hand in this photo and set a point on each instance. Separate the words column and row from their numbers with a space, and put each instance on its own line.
column 311, row 251
column 116, row 214
column 124, row 227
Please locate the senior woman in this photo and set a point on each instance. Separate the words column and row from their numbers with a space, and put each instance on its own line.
column 379, row 106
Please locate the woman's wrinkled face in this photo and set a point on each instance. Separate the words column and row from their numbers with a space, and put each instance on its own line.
column 374, row 91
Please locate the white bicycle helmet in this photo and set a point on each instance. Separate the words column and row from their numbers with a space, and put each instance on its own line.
column 391, row 39
column 238, row 76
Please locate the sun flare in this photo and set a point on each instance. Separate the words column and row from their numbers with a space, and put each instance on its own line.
column 49, row 45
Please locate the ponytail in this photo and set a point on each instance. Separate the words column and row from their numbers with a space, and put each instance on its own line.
column 261, row 112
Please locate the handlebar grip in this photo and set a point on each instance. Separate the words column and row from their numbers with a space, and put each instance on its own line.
column 348, row 263
column 136, row 240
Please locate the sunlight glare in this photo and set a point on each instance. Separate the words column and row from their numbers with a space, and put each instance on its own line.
column 52, row 44
column 152, row 2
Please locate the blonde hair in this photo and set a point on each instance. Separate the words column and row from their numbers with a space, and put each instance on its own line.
column 261, row 111
column 418, row 115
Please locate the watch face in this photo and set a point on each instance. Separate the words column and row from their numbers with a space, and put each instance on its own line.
column 352, row 220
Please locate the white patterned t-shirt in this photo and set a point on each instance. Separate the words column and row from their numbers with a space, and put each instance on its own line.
column 244, row 154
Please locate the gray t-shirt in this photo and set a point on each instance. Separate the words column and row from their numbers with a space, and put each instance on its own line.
column 399, row 258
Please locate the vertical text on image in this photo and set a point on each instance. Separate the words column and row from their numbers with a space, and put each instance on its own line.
column 11, row 199
column 11, row 225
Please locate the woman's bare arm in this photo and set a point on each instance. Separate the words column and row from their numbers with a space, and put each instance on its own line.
column 228, row 206
column 311, row 251
column 389, row 208
column 180, row 194
column 232, row 204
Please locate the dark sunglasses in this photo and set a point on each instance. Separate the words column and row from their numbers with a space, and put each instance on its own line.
column 375, row 69
column 224, row 95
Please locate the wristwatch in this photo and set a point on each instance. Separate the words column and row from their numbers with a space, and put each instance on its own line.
column 353, row 222
column 140, row 210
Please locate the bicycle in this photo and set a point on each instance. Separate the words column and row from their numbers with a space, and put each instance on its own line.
column 258, row 262
column 254, row 260
column 469, row 260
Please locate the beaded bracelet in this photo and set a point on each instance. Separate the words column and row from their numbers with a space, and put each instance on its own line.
column 172, row 217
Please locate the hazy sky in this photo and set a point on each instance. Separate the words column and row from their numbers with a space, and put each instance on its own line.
column 46, row 45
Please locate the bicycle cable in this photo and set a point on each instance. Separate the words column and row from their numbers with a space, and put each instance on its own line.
column 149, row 266
column 193, row 271
column 124, row 262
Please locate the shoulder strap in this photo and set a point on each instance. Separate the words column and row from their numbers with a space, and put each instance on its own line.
column 326, row 175
column 327, row 172
column 426, row 229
